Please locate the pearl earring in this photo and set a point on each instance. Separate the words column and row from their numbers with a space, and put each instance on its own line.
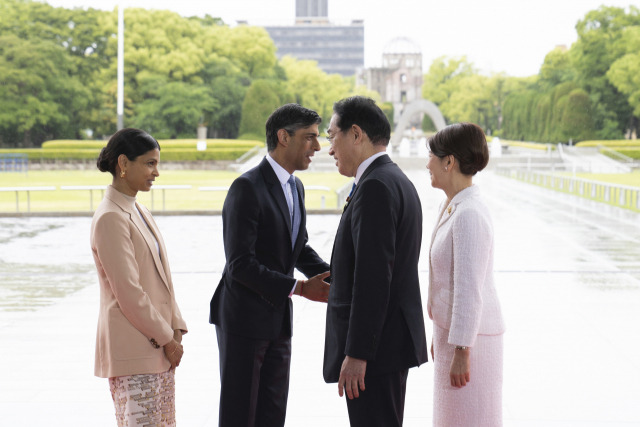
column 122, row 174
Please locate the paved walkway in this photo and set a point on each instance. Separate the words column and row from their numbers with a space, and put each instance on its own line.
column 568, row 274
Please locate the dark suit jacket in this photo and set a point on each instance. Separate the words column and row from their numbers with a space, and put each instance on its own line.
column 375, row 310
column 252, row 298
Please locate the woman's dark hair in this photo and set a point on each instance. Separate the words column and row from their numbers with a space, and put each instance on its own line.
column 130, row 142
column 466, row 142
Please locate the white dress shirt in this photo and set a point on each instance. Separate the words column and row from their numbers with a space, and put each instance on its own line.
column 283, row 177
column 364, row 165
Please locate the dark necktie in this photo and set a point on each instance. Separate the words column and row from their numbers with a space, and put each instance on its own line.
column 295, row 208
column 353, row 188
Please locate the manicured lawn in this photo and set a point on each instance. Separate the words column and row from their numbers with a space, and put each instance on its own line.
column 631, row 179
column 192, row 199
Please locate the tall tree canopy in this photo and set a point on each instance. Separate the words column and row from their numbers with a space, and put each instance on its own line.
column 58, row 74
column 590, row 90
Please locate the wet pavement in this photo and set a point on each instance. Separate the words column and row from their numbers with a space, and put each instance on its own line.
column 567, row 271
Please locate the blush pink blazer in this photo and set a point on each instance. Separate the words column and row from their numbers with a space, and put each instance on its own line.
column 462, row 295
column 138, row 310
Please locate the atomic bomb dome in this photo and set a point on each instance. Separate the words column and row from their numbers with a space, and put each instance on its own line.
column 402, row 46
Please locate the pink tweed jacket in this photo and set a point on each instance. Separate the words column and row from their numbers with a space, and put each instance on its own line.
column 462, row 295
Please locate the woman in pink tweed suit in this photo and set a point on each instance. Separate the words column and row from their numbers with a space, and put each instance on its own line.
column 463, row 303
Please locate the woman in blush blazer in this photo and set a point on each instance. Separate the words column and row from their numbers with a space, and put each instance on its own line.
column 463, row 303
column 140, row 328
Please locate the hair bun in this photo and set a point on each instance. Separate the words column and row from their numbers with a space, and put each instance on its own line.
column 103, row 160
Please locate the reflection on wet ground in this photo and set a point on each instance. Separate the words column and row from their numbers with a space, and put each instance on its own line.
column 42, row 260
column 45, row 259
column 567, row 271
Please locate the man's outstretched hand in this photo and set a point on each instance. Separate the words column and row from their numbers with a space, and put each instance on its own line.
column 314, row 289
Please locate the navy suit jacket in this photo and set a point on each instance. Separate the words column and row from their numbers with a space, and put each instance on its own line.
column 252, row 298
column 375, row 309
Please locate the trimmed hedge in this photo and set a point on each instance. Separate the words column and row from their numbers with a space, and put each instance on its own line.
column 61, row 154
column 529, row 145
column 164, row 143
column 171, row 150
column 611, row 143
column 178, row 155
column 72, row 144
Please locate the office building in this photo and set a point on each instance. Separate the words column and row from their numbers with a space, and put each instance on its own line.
column 338, row 49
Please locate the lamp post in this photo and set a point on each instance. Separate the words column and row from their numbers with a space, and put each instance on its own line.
column 120, row 106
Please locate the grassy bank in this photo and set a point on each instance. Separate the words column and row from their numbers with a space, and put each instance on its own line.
column 631, row 179
column 192, row 199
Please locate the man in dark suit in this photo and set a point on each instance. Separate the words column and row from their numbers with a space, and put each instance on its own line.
column 375, row 326
column 265, row 238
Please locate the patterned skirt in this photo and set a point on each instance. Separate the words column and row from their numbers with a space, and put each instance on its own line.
column 144, row 400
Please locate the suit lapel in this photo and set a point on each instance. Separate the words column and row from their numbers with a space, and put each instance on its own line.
column 145, row 231
column 162, row 267
column 447, row 210
column 376, row 163
column 148, row 238
column 445, row 213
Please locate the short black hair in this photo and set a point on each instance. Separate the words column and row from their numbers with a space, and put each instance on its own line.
column 130, row 142
column 289, row 117
column 466, row 142
column 364, row 112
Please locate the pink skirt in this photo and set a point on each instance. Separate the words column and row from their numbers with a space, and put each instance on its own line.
column 479, row 403
column 145, row 399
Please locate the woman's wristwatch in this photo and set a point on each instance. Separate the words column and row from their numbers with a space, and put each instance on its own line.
column 462, row 347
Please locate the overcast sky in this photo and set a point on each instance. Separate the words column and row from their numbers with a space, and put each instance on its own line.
column 510, row 36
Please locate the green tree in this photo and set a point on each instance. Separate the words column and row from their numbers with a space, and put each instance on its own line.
column 210, row 61
column 597, row 48
column 262, row 98
column 556, row 68
column 624, row 73
column 312, row 87
column 443, row 77
column 251, row 49
column 80, row 38
column 40, row 103
column 577, row 120
column 163, row 117
column 471, row 101
column 463, row 94
column 224, row 121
